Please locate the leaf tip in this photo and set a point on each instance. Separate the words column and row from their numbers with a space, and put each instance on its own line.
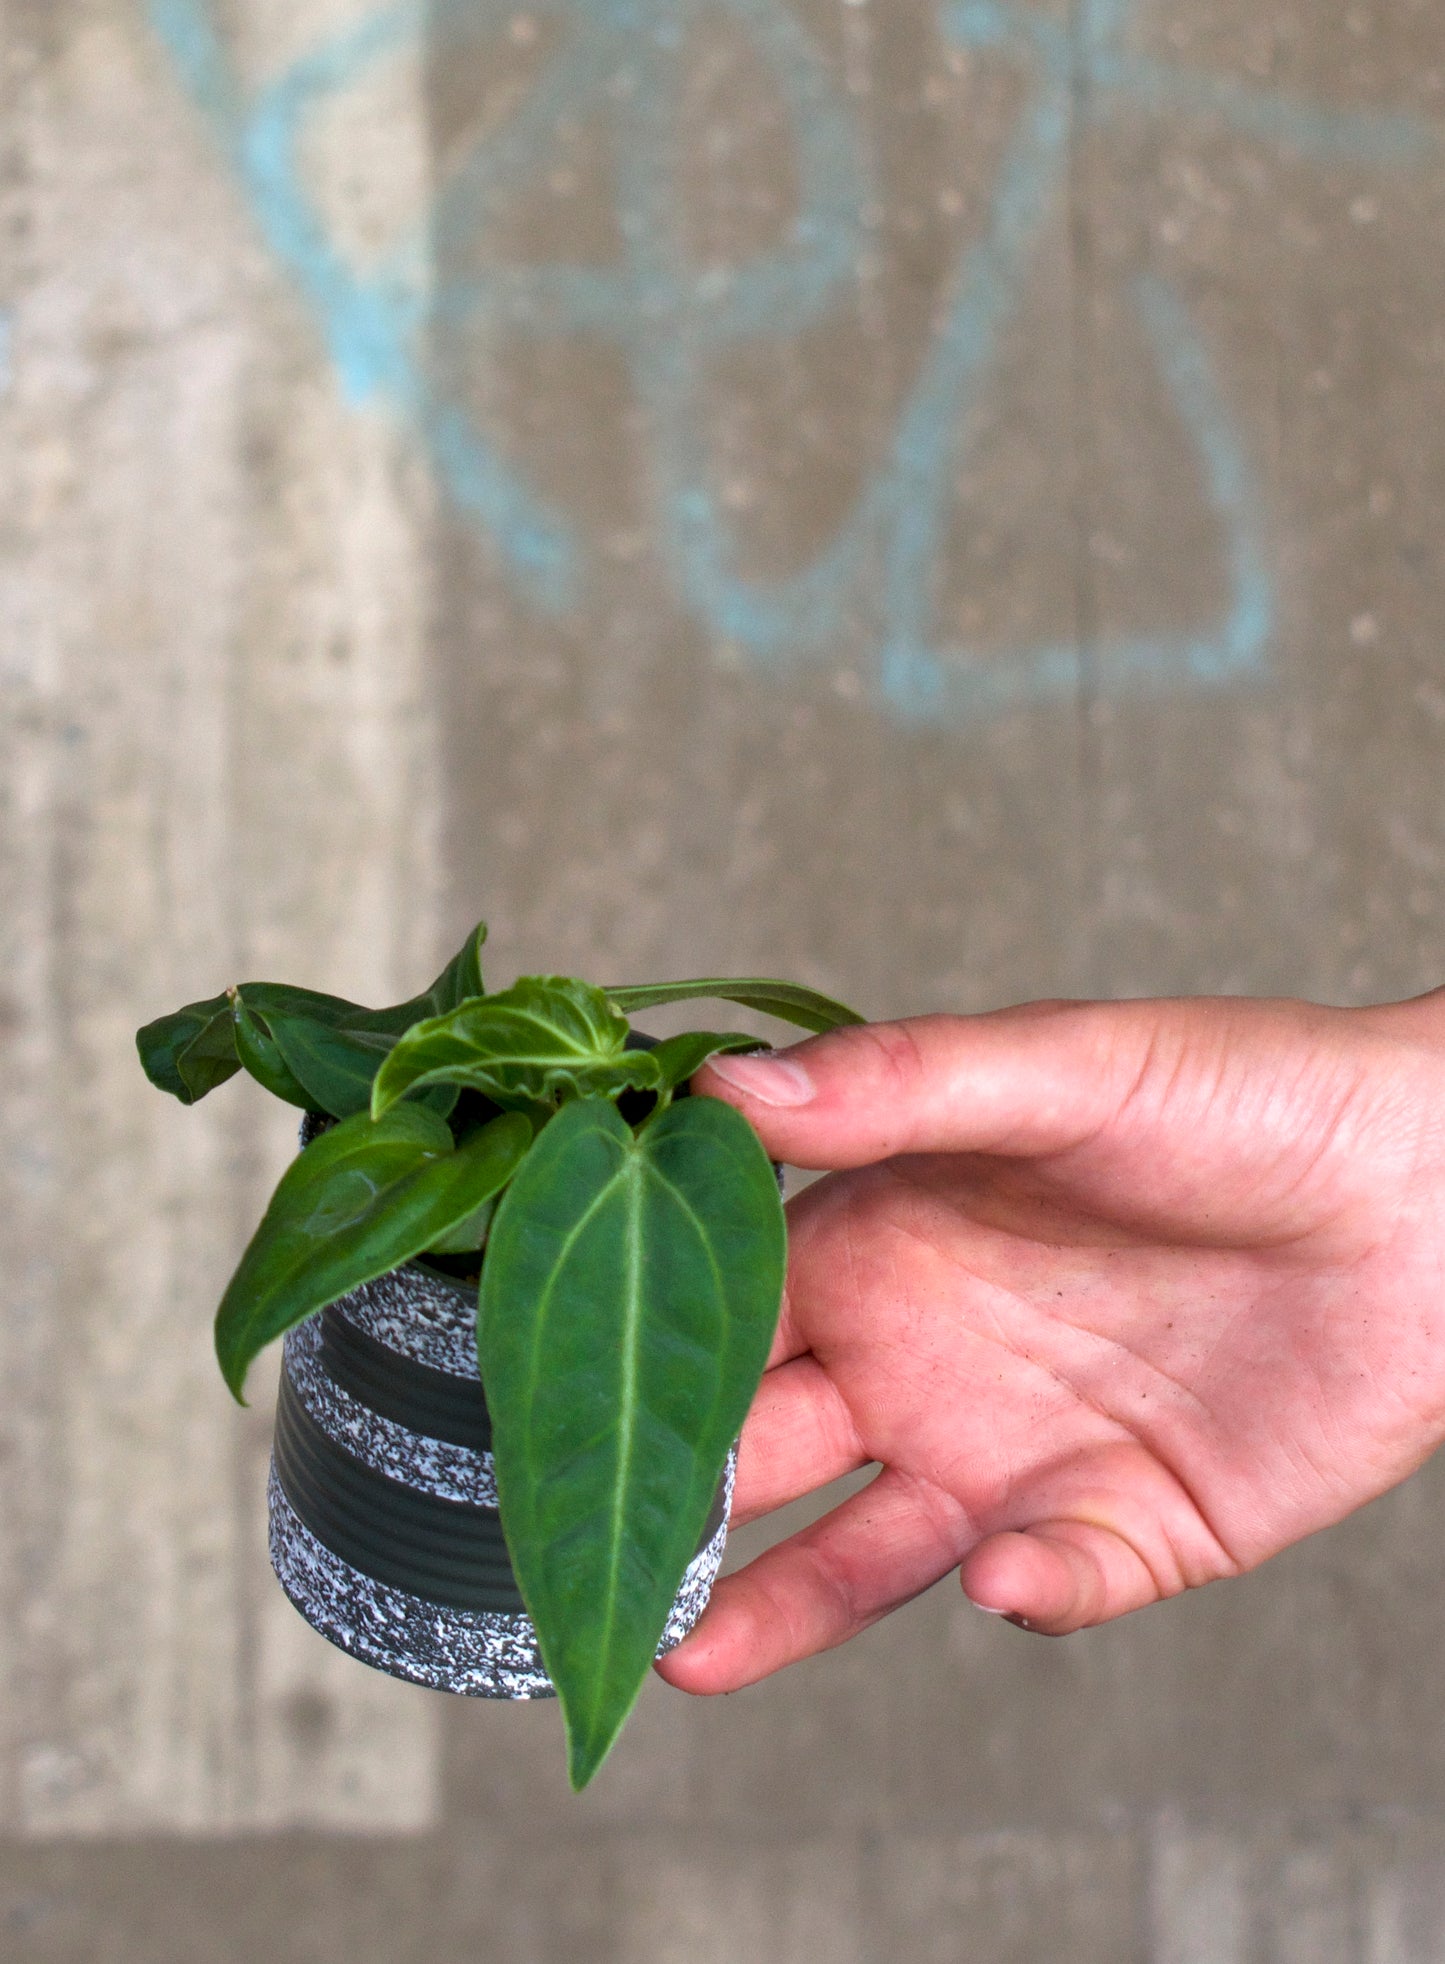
column 585, row 1755
column 233, row 1369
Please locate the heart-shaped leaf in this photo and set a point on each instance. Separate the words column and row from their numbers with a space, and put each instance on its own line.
column 547, row 1035
column 787, row 1000
column 628, row 1299
column 358, row 1200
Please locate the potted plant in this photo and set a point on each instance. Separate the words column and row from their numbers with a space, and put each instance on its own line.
column 527, row 1287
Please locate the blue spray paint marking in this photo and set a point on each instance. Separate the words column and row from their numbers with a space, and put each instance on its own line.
column 627, row 59
column 371, row 317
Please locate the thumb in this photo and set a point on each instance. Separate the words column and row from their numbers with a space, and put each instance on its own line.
column 1036, row 1079
column 1058, row 1577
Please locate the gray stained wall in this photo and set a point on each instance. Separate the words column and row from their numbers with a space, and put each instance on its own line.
column 939, row 499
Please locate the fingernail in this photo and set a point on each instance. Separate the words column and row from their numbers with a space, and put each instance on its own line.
column 988, row 1608
column 771, row 1080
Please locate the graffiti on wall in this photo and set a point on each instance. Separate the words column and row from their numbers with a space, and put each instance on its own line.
column 672, row 320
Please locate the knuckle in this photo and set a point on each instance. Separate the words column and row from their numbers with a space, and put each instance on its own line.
column 897, row 1054
column 836, row 1613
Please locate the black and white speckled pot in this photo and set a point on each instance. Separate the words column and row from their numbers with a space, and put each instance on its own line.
column 385, row 1532
column 384, row 1525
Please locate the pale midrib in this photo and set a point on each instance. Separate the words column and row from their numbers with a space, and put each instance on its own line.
column 570, row 1053
column 773, row 999
column 627, row 1399
column 632, row 1174
column 568, row 1042
column 637, row 1175
column 565, row 1039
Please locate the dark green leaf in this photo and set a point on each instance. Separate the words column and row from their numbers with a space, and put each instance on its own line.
column 257, row 1051
column 191, row 1052
column 275, row 999
column 461, row 979
column 336, row 1066
column 209, row 1058
column 677, row 1058
column 201, row 1032
column 786, row 1000
column 628, row 1299
column 358, row 1200
column 546, row 1035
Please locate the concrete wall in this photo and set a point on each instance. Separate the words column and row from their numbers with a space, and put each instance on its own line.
column 942, row 500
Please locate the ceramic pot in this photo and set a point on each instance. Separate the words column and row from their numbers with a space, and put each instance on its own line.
column 384, row 1525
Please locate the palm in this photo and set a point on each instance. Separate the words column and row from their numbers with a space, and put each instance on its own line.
column 1198, row 1326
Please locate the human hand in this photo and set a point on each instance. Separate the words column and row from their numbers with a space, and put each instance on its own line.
column 1122, row 1298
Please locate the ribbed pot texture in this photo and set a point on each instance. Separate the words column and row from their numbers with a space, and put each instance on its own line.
column 384, row 1525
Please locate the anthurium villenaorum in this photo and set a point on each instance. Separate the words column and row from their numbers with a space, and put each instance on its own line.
column 628, row 1238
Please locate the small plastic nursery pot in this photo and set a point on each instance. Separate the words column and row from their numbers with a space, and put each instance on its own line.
column 384, row 1526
